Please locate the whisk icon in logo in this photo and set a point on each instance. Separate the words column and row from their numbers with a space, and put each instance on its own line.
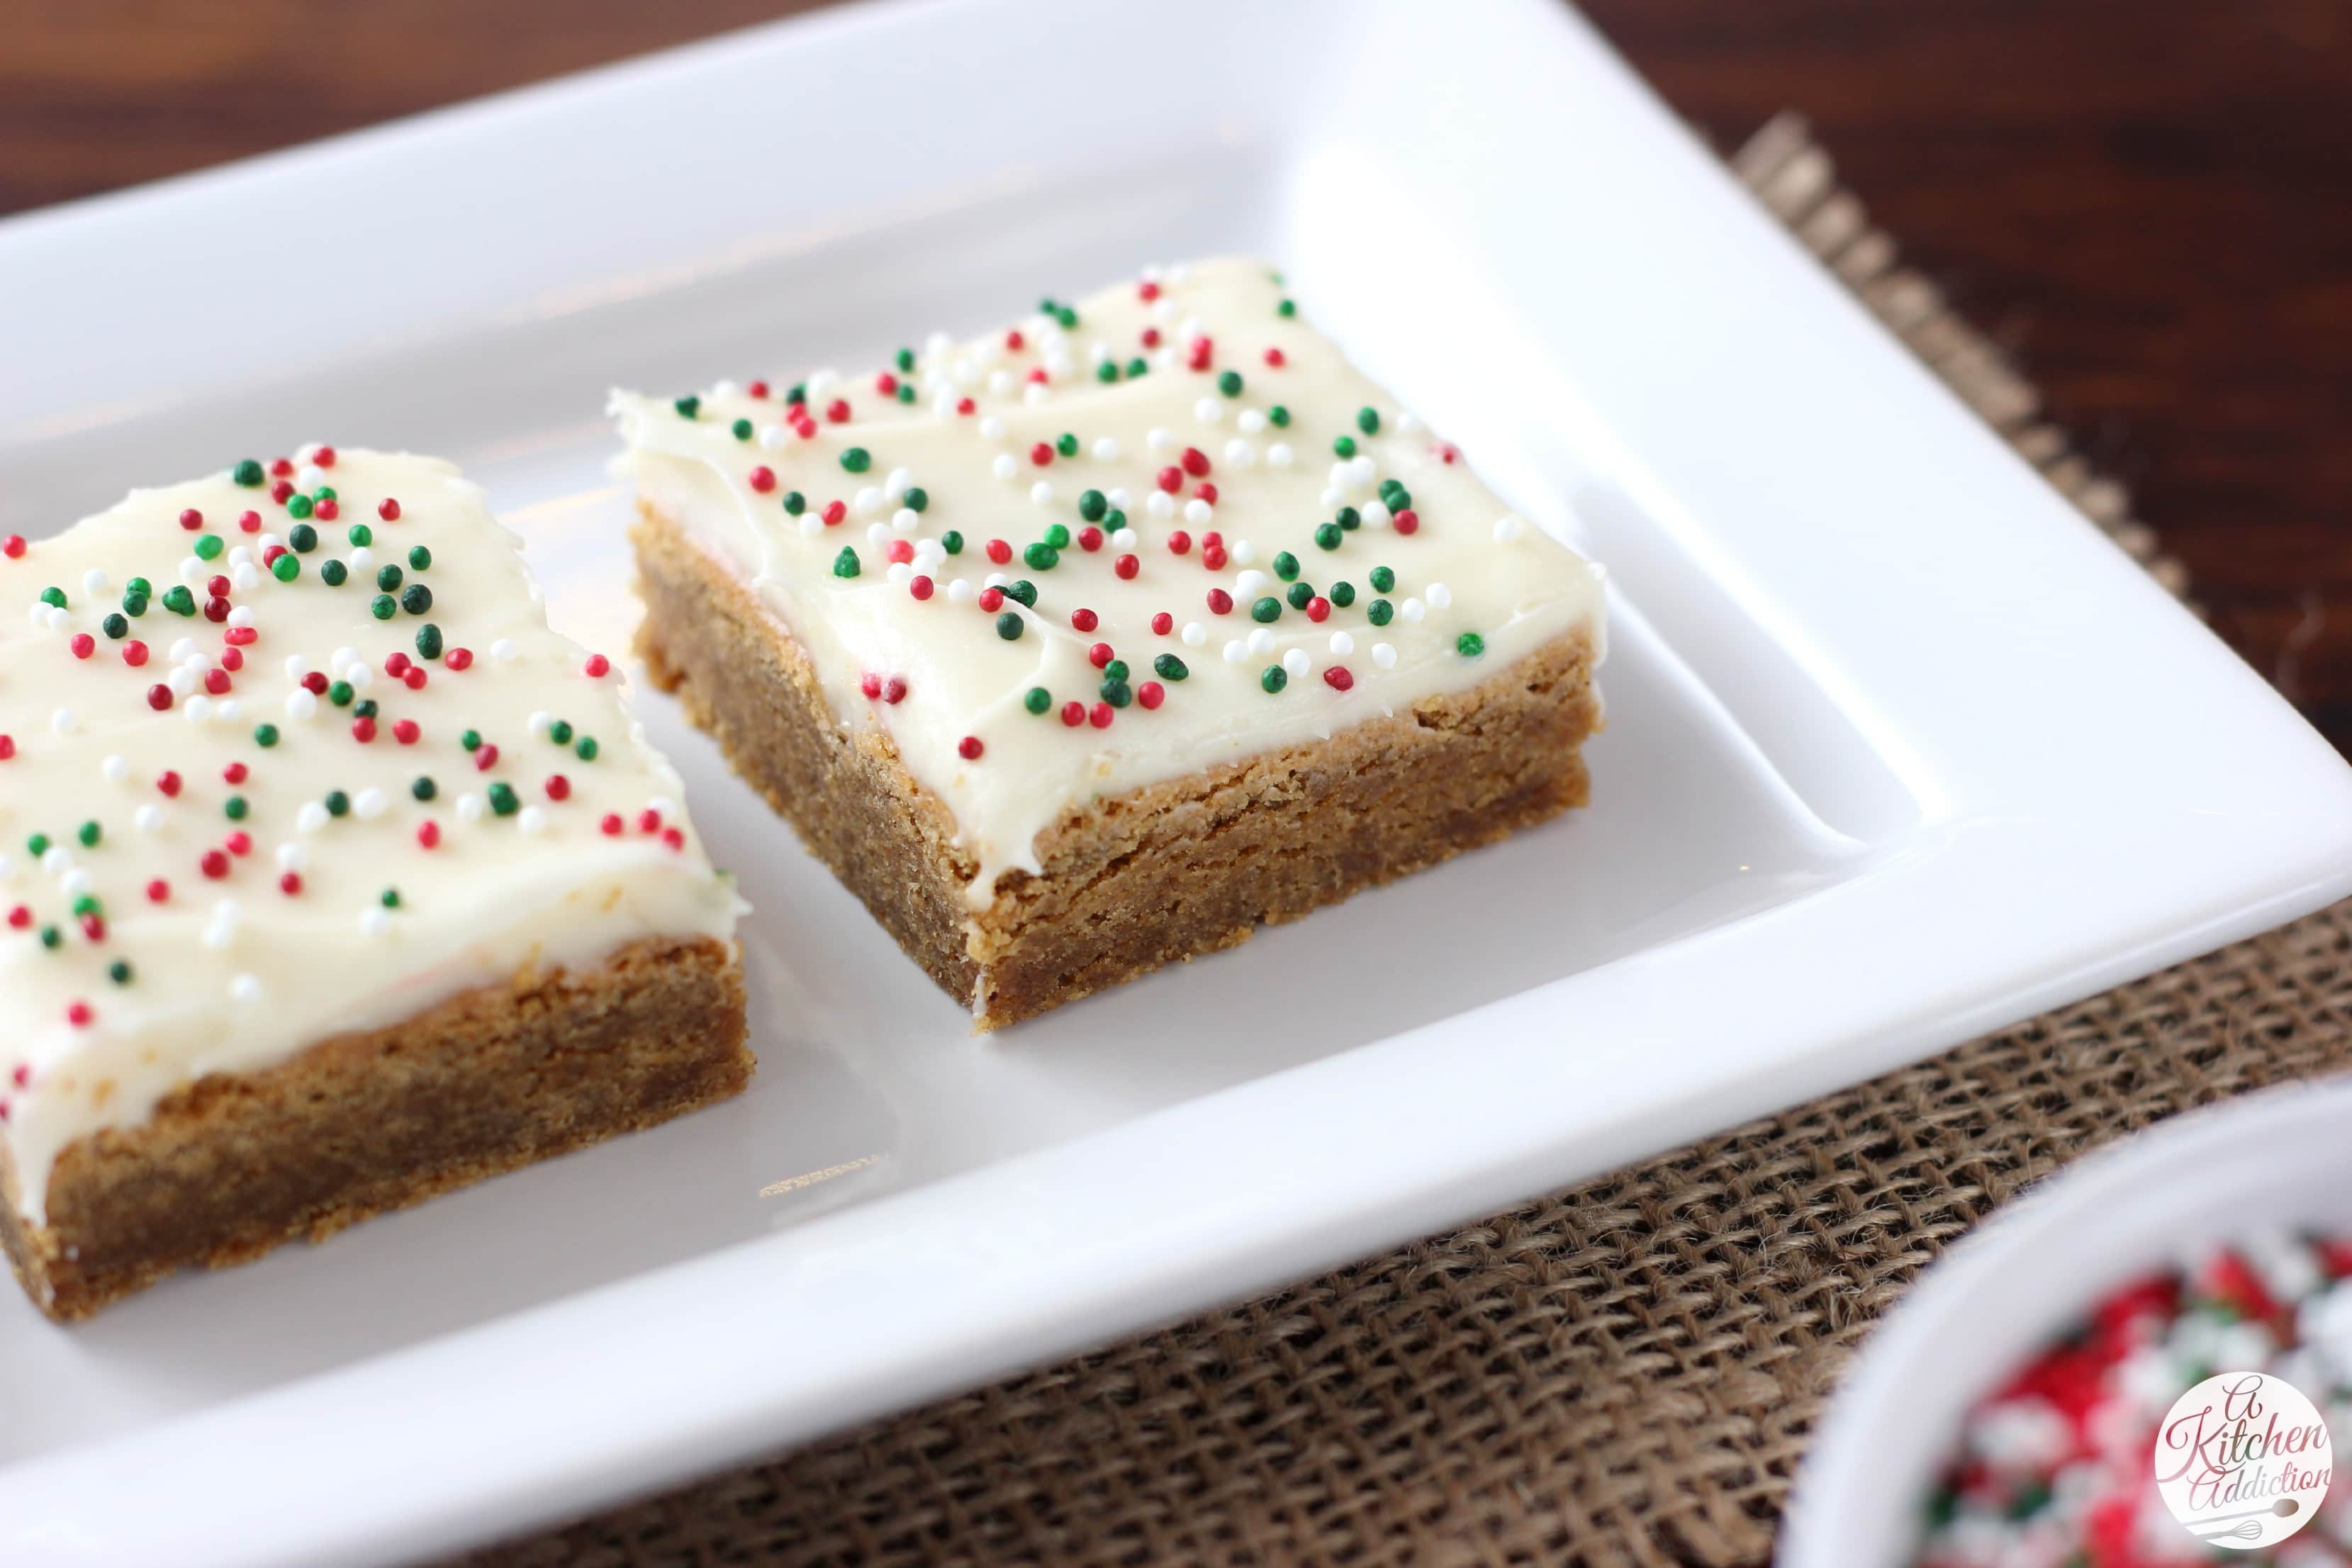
column 2242, row 1460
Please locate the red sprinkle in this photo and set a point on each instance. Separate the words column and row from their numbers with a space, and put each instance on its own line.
column 20, row 917
column 1196, row 461
column 598, row 666
column 324, row 457
column 250, row 521
column 168, row 781
column 885, row 383
column 240, row 843
column 13, row 547
column 457, row 658
column 895, row 688
column 1101, row 655
column 328, row 509
column 235, row 772
column 758, row 389
column 1150, row 693
column 1042, row 453
column 281, row 466
column 999, row 551
column 1274, row 358
column 1074, row 714
column 94, row 926
column 428, row 834
column 834, row 512
column 1220, row 602
column 389, row 509
column 648, row 820
column 1084, row 620
column 416, row 678
column 991, row 599
column 237, row 637
column 78, row 1015
column 1213, row 557
column 1338, row 678
column 1319, row 608
column 610, row 824
column 920, row 586
column 1127, row 566
column 1172, row 479
column 395, row 664
column 192, row 520
column 82, row 644
column 1090, row 537
column 134, row 653
column 291, row 883
column 1100, row 715
column 965, row 405
column 158, row 890
column 1162, row 624
column 1180, row 542
column 1406, row 520
column 1148, row 290
column 870, row 684
column 1205, row 491
column 405, row 731
column 216, row 682
column 763, row 478
column 837, row 411
column 282, row 491
column 214, row 864
column 7, row 747
column 486, row 758
column 969, row 747
column 672, row 837
column 159, row 698
column 558, row 787
column 315, row 683
column 901, row 551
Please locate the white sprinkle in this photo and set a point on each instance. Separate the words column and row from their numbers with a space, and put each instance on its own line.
column 1375, row 513
column 1278, row 455
column 539, row 721
column 57, row 860
column 867, row 501
column 906, row 518
column 961, row 592
column 375, row 920
column 243, row 555
column 290, row 857
column 877, row 534
column 896, row 483
column 504, row 650
column 246, row 990
column 1250, row 582
column 1208, row 411
column 1261, row 640
column 1296, row 662
column 1236, row 651
column 182, row 681
column 1042, row 493
column 1507, row 528
column 1242, row 551
column 1408, row 422
column 297, row 667
column 991, row 427
column 1160, row 504
column 812, row 524
column 369, row 803
column 773, row 436
column 58, row 620
column 899, row 574
column 220, row 929
column 241, row 616
column 341, row 659
column 995, row 580
column 1160, row 438
column 532, row 821
column 309, row 477
column 1123, row 539
column 1342, row 644
column 1249, row 421
column 93, row 581
column 1118, row 497
column 363, row 561
column 1006, row 466
column 1239, row 453
column 1106, row 448
column 1198, row 512
column 1439, row 596
column 1412, row 610
column 1035, row 393
column 1384, row 656
column 198, row 709
column 1194, row 634
column 148, row 818
column 310, row 818
column 469, row 808
column 115, row 768
column 359, row 675
column 191, row 568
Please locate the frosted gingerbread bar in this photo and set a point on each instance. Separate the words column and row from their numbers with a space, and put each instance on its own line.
column 330, row 878
column 1101, row 641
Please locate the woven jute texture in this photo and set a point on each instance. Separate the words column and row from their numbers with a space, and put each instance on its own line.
column 1621, row 1373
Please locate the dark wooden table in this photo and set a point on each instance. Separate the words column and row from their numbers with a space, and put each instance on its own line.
column 2151, row 203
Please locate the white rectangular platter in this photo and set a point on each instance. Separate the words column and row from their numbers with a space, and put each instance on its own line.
column 1900, row 750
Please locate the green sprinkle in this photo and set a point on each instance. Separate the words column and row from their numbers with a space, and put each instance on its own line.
column 856, row 460
column 208, row 546
column 1168, row 666
column 1301, row 595
column 1266, row 609
column 741, row 429
column 904, row 360
column 51, row 936
column 89, row 833
column 1469, row 644
column 687, row 408
column 381, row 606
column 1117, row 692
column 134, row 605
column 428, row 641
column 391, row 898
column 118, row 972
column 297, row 506
column 86, row 905
column 1368, row 420
column 586, row 748
column 416, row 598
column 1116, row 669
column 916, row 499
column 1023, row 589
column 1341, row 594
column 247, row 473
column 1107, row 371
column 139, row 586
column 333, row 574
column 179, row 601
column 1066, row 445
column 1057, row 536
column 1285, row 566
column 560, row 733
column 1041, row 557
column 1037, row 699
column 38, row 845
column 359, row 535
column 1328, row 535
column 1287, row 308
column 419, row 558
column 1136, row 366
column 337, row 803
column 302, row 538
column 287, row 567
column 235, row 808
column 952, row 541
column 799, row 393
column 366, row 708
column 1066, row 316
column 1279, row 416
column 265, row 735
column 1344, row 446
column 1379, row 612
column 1382, row 579
column 471, row 740
column 1274, row 680
column 55, row 598
column 1398, row 498
column 1230, row 383
column 1348, row 519
column 422, row 787
column 906, row 393
column 502, row 799
column 1092, row 504
column 115, row 627
column 845, row 563
column 1009, row 625
column 795, row 503
column 324, row 492
column 388, row 578
column 1114, row 520
column 341, row 694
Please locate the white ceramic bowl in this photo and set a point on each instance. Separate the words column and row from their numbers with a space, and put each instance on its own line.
column 2278, row 1158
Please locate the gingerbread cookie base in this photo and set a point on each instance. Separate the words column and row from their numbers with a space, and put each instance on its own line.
column 1129, row 884
column 234, row 1165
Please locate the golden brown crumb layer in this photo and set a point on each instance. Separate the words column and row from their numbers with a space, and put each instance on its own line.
column 1163, row 873
column 233, row 1164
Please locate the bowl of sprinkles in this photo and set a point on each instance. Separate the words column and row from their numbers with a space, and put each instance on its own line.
column 2145, row 1362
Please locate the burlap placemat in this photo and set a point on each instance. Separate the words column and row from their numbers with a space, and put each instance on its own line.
column 1621, row 1373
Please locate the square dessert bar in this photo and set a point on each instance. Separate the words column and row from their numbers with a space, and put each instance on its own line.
column 1103, row 640
column 330, row 878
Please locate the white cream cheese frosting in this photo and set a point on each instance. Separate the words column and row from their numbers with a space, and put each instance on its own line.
column 290, row 750
column 1232, row 540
